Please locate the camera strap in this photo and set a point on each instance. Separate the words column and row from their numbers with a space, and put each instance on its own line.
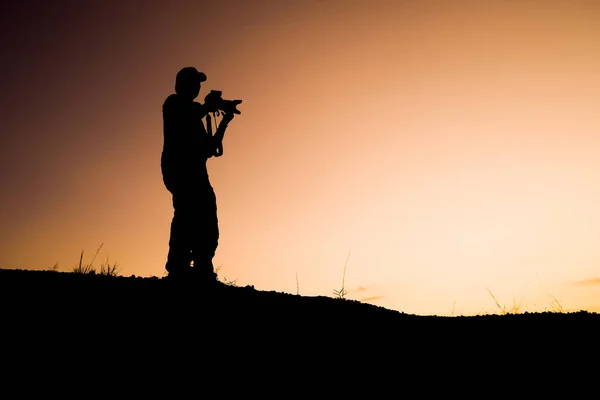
column 209, row 125
column 219, row 150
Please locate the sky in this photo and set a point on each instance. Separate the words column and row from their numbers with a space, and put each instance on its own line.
column 433, row 157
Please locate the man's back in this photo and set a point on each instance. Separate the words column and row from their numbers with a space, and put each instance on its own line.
column 185, row 141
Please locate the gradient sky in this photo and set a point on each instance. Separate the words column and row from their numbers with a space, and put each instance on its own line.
column 440, row 150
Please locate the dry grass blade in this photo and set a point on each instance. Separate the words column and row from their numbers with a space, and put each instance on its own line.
column 86, row 268
column 109, row 270
column 503, row 309
column 341, row 293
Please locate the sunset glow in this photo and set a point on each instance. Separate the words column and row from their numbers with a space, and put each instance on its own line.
column 439, row 151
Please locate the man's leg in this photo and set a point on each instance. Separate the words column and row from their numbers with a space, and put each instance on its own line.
column 179, row 257
column 206, row 238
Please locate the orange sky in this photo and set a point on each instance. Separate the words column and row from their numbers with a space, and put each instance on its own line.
column 443, row 149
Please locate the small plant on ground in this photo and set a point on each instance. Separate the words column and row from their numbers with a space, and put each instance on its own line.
column 224, row 279
column 110, row 270
column 230, row 282
column 341, row 293
column 105, row 268
column 86, row 268
column 555, row 305
column 513, row 310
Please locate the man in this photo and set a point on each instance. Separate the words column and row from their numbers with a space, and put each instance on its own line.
column 187, row 146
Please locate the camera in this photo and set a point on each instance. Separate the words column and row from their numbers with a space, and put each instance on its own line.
column 214, row 101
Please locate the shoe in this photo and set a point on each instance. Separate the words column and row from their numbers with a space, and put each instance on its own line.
column 182, row 274
column 204, row 272
column 204, row 276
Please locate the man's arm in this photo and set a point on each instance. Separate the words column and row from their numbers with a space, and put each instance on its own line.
column 200, row 110
column 217, row 138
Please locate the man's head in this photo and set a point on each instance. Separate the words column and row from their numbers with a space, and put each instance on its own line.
column 187, row 82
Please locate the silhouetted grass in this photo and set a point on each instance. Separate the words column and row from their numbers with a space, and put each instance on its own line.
column 503, row 310
column 105, row 268
column 114, row 269
column 224, row 279
column 341, row 293
column 555, row 306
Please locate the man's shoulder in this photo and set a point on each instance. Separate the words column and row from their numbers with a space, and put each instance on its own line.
column 171, row 100
column 174, row 101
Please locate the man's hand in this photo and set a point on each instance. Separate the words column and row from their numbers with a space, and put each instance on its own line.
column 227, row 117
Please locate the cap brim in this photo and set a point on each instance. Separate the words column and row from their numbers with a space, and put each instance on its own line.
column 201, row 76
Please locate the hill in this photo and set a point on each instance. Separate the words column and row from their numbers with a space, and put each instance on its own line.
column 74, row 316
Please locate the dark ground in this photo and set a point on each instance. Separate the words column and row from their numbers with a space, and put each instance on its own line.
column 152, row 322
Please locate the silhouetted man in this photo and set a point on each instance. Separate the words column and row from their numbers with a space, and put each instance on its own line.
column 187, row 146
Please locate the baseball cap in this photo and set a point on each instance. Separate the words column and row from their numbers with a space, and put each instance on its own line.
column 190, row 74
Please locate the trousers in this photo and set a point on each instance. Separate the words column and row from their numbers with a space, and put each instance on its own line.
column 194, row 234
